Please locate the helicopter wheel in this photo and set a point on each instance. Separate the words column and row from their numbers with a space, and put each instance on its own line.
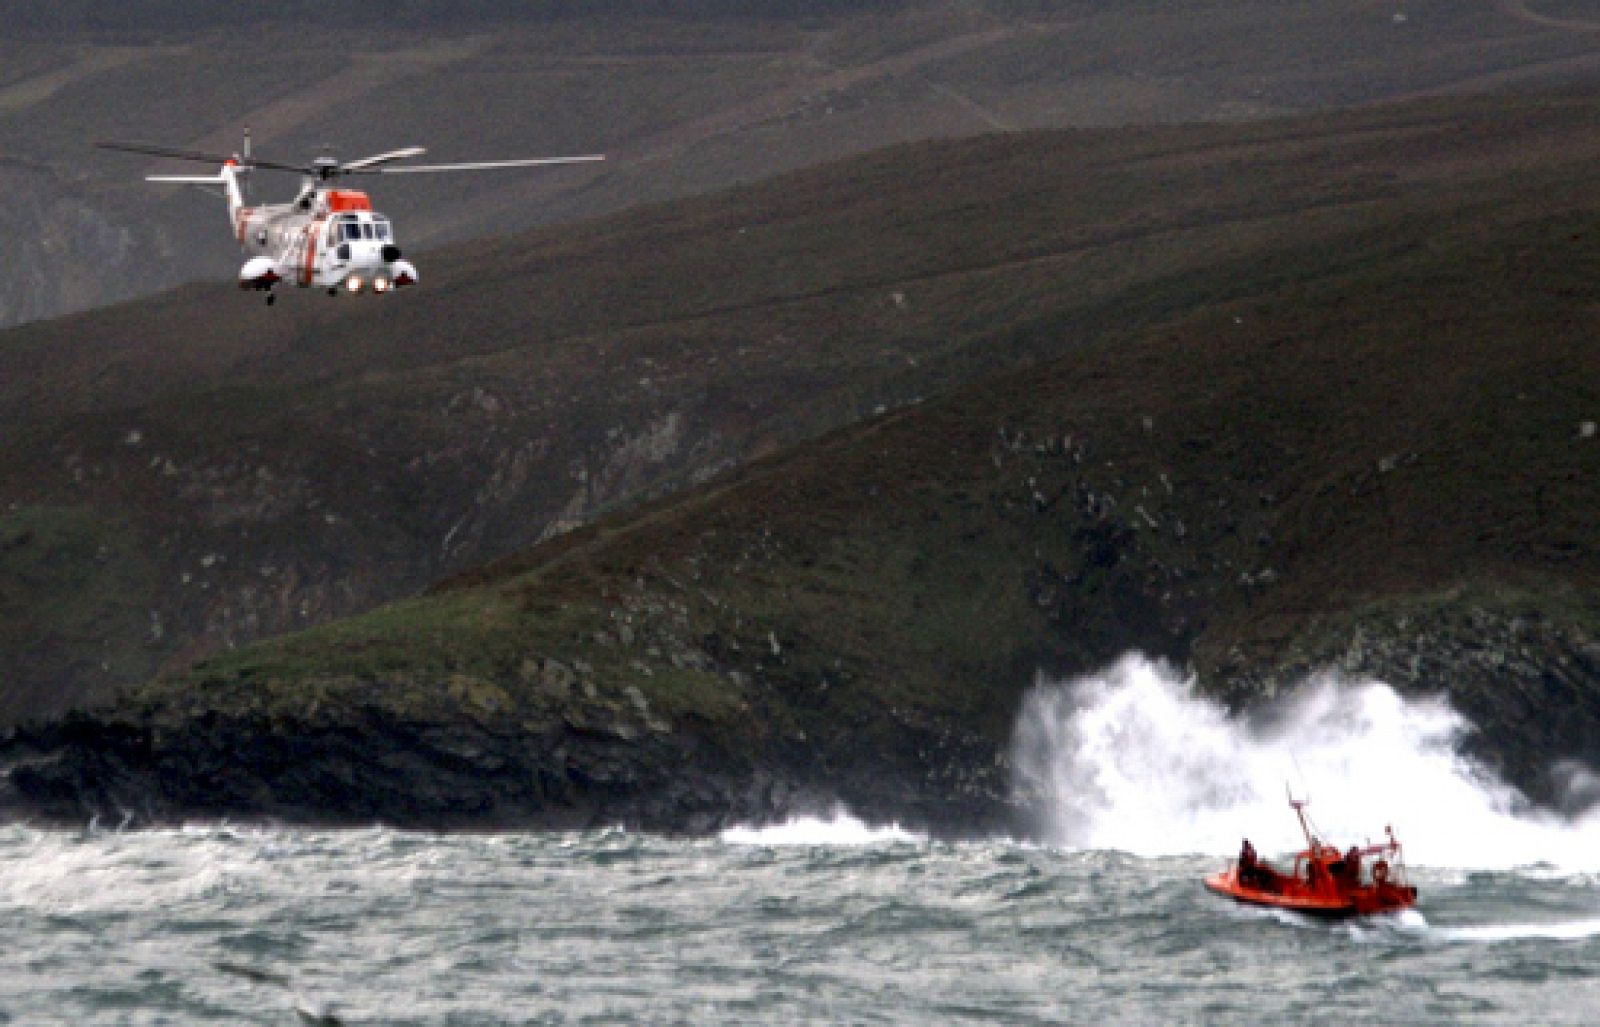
column 272, row 298
column 333, row 291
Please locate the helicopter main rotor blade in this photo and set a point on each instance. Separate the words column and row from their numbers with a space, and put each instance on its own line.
column 382, row 158
column 153, row 150
column 150, row 149
column 272, row 165
column 477, row 165
column 326, row 168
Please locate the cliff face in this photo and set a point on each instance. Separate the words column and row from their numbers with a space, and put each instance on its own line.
column 65, row 248
column 1351, row 425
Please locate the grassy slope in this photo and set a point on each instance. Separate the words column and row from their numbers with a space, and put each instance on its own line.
column 1367, row 396
column 306, row 462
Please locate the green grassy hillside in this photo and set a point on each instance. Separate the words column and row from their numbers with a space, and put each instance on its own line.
column 1309, row 394
column 1216, row 488
column 272, row 469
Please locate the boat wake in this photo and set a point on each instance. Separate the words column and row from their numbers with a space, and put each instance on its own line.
column 1411, row 923
column 1575, row 930
column 1131, row 759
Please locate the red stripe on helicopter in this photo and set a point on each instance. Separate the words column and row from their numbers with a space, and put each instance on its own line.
column 241, row 221
column 310, row 266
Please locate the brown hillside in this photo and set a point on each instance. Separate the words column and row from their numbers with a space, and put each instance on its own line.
column 179, row 483
column 1365, row 445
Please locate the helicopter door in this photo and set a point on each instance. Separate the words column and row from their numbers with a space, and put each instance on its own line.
column 339, row 234
column 308, row 247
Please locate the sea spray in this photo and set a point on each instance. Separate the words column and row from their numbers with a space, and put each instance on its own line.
column 1133, row 759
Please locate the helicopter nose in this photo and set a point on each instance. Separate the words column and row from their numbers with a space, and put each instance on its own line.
column 368, row 255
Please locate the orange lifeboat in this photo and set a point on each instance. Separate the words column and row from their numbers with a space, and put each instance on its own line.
column 1325, row 882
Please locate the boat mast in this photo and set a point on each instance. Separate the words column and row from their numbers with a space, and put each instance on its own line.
column 1299, row 806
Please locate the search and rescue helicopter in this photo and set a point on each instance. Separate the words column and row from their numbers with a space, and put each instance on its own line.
column 326, row 237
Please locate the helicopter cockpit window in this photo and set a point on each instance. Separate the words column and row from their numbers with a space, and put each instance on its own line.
column 383, row 230
column 352, row 230
column 366, row 229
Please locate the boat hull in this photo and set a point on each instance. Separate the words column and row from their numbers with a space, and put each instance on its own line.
column 1326, row 899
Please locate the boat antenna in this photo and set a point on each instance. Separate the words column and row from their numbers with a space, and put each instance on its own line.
column 1300, row 774
column 1299, row 807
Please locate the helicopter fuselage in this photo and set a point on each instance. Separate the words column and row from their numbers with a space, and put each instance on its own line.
column 326, row 238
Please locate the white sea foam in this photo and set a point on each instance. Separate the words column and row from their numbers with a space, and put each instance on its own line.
column 103, row 872
column 1572, row 930
column 1131, row 759
column 839, row 829
column 1411, row 922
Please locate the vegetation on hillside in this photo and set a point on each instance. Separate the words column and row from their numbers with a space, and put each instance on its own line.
column 299, row 464
column 1208, row 393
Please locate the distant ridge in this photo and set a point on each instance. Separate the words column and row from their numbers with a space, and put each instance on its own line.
column 686, row 98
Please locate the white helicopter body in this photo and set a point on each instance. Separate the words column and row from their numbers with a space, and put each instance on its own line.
column 326, row 237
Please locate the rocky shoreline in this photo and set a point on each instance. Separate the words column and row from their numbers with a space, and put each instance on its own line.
column 435, row 777
column 1529, row 684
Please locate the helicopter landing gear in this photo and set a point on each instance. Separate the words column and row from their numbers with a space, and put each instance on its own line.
column 333, row 290
column 272, row 297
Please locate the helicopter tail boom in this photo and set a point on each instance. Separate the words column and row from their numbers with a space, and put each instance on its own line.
column 228, row 178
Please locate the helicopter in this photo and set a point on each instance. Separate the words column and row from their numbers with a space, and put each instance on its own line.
column 326, row 237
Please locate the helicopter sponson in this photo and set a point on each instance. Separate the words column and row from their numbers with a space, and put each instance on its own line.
column 264, row 274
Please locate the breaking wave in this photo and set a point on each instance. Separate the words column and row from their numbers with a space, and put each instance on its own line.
column 1132, row 759
column 839, row 829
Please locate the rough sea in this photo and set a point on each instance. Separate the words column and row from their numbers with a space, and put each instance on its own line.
column 1100, row 918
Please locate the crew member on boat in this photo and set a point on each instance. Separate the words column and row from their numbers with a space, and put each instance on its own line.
column 1352, row 865
column 1252, row 872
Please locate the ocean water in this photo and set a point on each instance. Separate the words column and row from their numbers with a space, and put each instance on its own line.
column 1102, row 917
